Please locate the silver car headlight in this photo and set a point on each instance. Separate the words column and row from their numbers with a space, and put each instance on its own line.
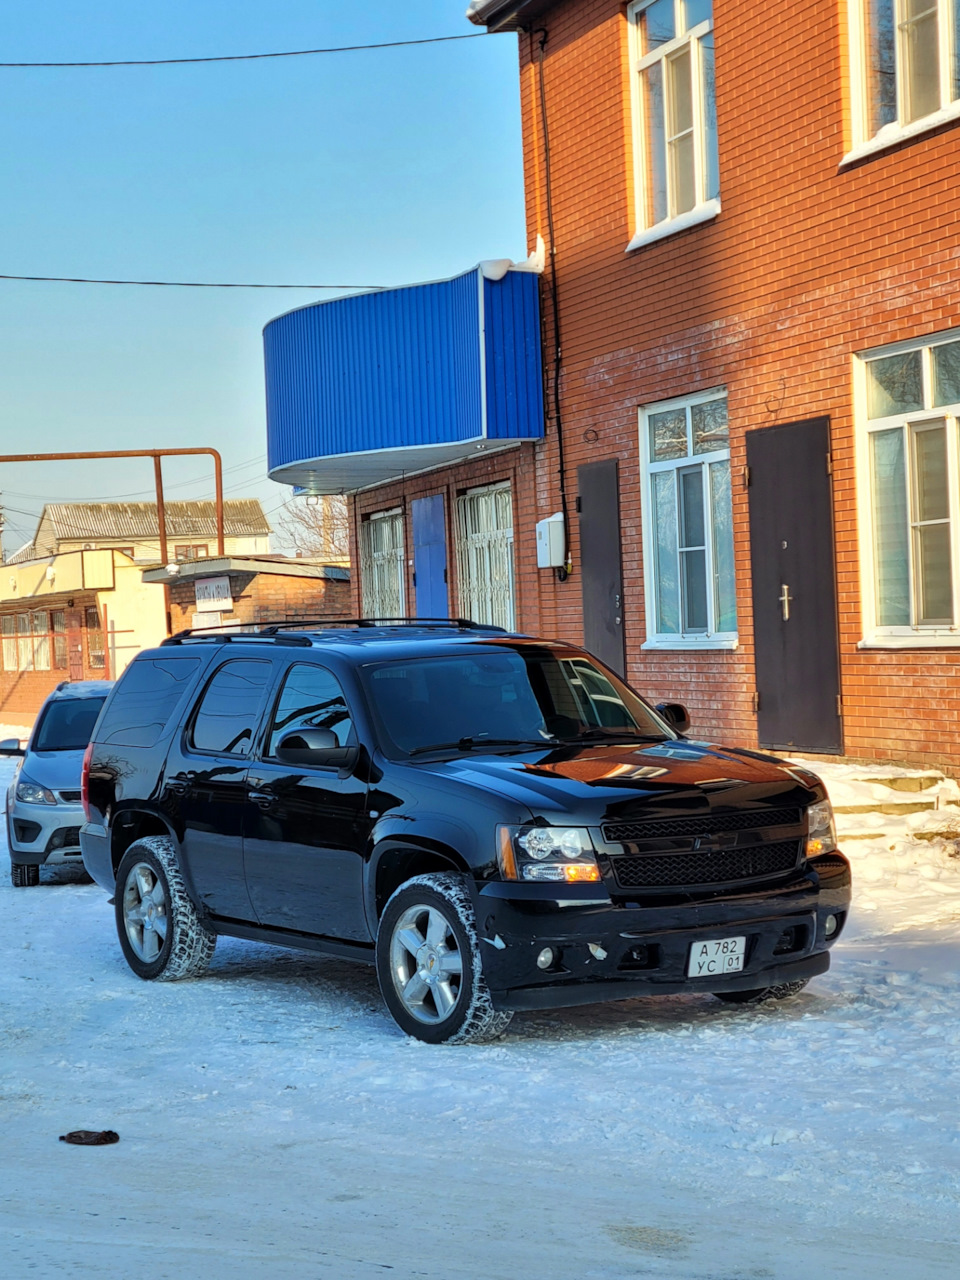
column 32, row 793
column 561, row 854
column 821, row 831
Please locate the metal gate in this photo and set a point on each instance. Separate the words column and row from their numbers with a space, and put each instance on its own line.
column 381, row 565
column 485, row 555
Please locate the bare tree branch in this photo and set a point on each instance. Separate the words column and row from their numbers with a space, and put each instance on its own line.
column 320, row 529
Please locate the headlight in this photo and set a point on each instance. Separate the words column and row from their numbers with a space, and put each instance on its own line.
column 821, row 832
column 563, row 854
column 31, row 793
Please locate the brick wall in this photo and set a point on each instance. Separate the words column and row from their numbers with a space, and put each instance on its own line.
column 267, row 597
column 805, row 266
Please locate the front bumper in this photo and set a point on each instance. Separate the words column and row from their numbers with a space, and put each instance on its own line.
column 608, row 951
column 39, row 834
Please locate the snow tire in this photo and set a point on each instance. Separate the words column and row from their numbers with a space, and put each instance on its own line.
column 472, row 1019
column 24, row 875
column 781, row 992
column 188, row 945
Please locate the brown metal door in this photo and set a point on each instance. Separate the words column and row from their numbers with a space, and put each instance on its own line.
column 600, row 563
column 75, row 664
column 794, row 587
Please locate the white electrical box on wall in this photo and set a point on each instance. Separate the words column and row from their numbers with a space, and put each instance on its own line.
column 551, row 542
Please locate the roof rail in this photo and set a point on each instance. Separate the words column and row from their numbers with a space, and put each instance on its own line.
column 276, row 631
column 453, row 624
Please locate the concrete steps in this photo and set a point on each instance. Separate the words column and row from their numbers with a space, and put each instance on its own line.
column 872, row 802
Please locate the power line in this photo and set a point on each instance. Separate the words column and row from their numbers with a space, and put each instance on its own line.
column 257, row 461
column 253, row 57
column 192, row 284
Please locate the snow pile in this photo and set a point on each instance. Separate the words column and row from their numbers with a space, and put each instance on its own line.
column 907, row 866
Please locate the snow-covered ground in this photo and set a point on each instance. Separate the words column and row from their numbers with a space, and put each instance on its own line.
column 274, row 1123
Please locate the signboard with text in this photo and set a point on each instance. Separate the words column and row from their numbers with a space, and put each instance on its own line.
column 213, row 595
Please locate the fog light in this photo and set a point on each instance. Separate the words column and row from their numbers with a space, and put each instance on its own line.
column 546, row 958
column 830, row 926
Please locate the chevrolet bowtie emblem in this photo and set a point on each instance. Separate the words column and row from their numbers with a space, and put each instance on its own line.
column 720, row 840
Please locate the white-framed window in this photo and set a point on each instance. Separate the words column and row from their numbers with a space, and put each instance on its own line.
column 485, row 555
column 908, row 408
column 675, row 116
column 689, row 576
column 905, row 68
column 381, row 565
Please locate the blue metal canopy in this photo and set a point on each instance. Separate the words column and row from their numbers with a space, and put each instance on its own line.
column 369, row 387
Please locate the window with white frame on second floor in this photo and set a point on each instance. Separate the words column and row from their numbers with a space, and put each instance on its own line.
column 381, row 565
column 675, row 115
column 906, row 64
column 688, row 524
column 911, row 407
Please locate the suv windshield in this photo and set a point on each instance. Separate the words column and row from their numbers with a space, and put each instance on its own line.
column 504, row 696
column 67, row 723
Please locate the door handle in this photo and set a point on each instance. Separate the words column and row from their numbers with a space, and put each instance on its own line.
column 786, row 600
column 264, row 799
column 177, row 785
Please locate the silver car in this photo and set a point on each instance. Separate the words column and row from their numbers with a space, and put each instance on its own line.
column 44, row 812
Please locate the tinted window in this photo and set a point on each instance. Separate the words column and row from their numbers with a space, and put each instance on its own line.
column 145, row 700
column 67, row 723
column 527, row 694
column 311, row 698
column 227, row 716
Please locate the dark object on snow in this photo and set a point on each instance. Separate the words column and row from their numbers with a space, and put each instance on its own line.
column 90, row 1137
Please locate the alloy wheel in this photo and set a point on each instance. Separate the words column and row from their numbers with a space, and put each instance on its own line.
column 145, row 915
column 425, row 964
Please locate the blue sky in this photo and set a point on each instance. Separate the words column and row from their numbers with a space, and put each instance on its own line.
column 371, row 168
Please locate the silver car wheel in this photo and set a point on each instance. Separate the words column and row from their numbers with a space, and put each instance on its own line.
column 145, row 915
column 425, row 964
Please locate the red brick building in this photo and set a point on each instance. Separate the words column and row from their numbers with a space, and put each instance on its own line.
column 783, row 241
column 751, row 344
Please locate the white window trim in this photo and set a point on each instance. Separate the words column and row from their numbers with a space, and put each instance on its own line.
column 666, row 640
column 865, row 144
column 919, row 635
column 706, row 210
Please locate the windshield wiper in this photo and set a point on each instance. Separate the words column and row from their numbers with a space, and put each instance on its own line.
column 618, row 735
column 469, row 744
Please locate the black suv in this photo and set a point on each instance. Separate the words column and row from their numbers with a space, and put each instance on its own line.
column 497, row 822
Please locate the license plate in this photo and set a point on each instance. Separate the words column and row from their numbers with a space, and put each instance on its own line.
column 718, row 956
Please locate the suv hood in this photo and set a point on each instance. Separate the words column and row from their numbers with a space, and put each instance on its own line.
column 54, row 769
column 590, row 785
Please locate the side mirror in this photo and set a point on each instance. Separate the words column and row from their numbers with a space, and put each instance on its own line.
column 11, row 747
column 317, row 747
column 675, row 714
